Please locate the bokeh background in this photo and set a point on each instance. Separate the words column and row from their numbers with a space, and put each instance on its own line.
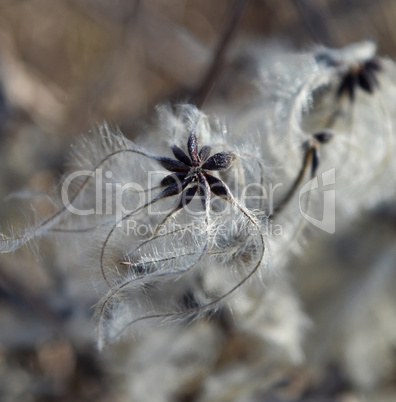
column 67, row 65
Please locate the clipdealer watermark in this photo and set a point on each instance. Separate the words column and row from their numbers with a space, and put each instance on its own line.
column 110, row 195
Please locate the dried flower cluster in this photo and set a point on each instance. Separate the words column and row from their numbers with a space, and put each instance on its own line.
column 209, row 230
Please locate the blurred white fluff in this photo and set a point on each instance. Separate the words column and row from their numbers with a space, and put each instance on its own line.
column 297, row 95
column 172, row 362
column 369, row 334
column 348, row 281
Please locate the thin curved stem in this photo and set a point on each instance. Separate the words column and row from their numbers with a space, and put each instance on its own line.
column 134, row 212
column 157, row 198
column 130, row 253
column 172, row 213
column 286, row 199
column 25, row 237
column 215, row 68
column 92, row 228
column 247, row 214
column 156, row 275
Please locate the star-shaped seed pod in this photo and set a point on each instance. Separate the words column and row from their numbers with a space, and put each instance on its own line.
column 191, row 173
column 363, row 75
